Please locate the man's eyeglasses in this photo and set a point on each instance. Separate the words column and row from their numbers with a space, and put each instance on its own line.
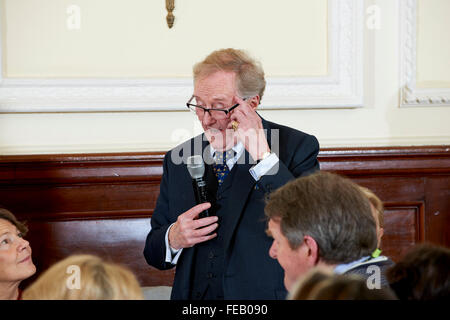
column 217, row 110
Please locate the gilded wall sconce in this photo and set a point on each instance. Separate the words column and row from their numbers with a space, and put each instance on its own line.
column 170, row 5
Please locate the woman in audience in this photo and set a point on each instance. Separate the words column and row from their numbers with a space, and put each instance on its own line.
column 422, row 274
column 323, row 285
column 16, row 263
column 85, row 277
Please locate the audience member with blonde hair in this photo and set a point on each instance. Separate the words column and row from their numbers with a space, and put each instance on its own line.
column 85, row 277
column 320, row 284
column 16, row 263
column 377, row 210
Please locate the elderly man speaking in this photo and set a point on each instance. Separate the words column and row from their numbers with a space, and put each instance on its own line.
column 224, row 255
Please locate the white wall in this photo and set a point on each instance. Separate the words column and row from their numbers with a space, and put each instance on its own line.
column 296, row 47
column 433, row 59
column 131, row 38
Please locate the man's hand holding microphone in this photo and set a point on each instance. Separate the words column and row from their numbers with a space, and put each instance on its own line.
column 187, row 231
column 195, row 225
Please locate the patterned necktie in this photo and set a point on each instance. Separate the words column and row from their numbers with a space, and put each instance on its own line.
column 220, row 167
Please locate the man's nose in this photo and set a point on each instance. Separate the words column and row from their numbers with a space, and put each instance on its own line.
column 273, row 251
column 207, row 119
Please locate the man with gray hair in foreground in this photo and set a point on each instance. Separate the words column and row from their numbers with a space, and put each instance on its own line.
column 324, row 220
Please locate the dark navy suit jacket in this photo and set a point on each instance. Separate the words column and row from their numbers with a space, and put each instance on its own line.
column 249, row 271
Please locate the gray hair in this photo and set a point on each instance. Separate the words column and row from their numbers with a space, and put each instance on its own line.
column 329, row 208
column 249, row 73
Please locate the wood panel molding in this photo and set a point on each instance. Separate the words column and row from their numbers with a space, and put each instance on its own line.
column 382, row 161
column 147, row 166
column 404, row 225
column 417, row 208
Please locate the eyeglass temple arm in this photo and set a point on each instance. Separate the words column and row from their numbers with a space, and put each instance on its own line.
column 235, row 106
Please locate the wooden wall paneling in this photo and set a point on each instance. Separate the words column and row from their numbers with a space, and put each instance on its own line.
column 404, row 225
column 437, row 203
column 101, row 203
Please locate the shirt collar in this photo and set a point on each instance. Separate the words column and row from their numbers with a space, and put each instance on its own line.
column 343, row 268
column 238, row 149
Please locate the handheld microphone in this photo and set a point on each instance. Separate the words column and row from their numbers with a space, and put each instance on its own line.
column 196, row 168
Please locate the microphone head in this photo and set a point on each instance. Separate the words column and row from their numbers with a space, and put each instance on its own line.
column 195, row 166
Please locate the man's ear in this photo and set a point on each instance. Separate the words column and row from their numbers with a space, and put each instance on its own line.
column 381, row 232
column 379, row 236
column 313, row 249
column 253, row 102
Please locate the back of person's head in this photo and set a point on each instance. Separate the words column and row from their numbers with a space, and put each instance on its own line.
column 97, row 280
column 377, row 209
column 376, row 203
column 321, row 285
column 422, row 274
column 348, row 287
column 305, row 284
column 250, row 79
column 329, row 208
